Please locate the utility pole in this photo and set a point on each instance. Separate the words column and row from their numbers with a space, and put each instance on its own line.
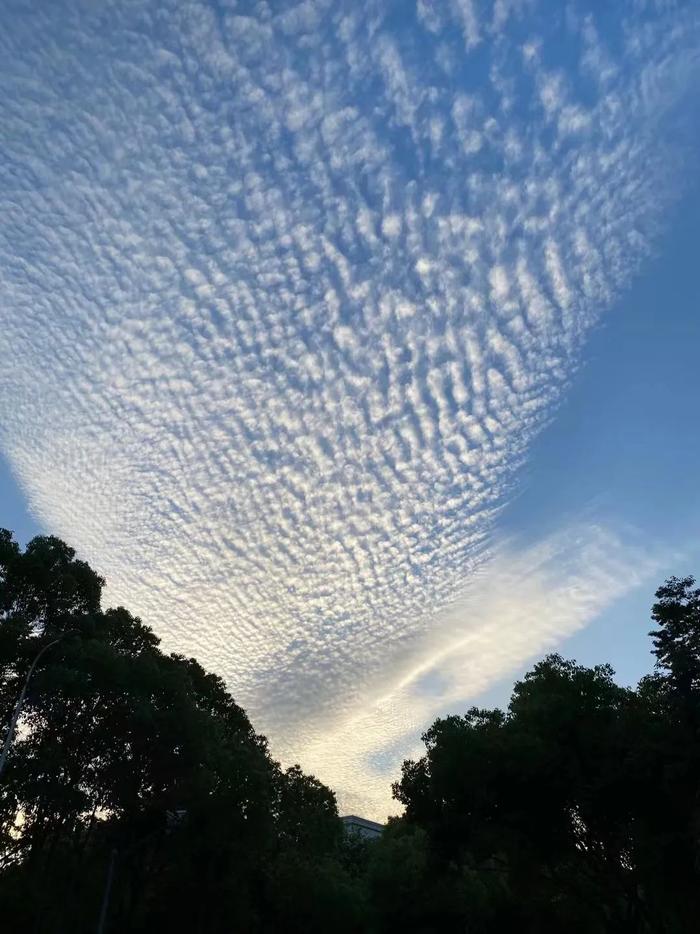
column 20, row 700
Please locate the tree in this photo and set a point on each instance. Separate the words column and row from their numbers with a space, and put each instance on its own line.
column 677, row 640
column 578, row 799
column 577, row 808
column 45, row 587
column 125, row 749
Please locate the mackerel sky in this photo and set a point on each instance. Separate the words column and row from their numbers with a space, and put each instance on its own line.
column 356, row 343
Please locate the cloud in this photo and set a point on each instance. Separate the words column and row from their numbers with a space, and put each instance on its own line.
column 523, row 601
column 285, row 299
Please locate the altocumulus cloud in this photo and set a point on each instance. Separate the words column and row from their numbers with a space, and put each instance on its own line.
column 523, row 601
column 288, row 289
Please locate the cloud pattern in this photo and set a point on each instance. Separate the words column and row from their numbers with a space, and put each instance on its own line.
column 289, row 288
column 519, row 606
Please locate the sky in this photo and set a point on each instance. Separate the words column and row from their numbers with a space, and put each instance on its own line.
column 356, row 344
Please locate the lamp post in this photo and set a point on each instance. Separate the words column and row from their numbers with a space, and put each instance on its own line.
column 20, row 700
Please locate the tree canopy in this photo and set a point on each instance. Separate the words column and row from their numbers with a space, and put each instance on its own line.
column 136, row 789
column 578, row 808
column 124, row 748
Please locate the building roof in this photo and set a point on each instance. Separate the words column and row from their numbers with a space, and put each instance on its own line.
column 361, row 823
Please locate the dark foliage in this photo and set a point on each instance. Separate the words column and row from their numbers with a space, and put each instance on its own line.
column 578, row 809
column 131, row 757
column 575, row 810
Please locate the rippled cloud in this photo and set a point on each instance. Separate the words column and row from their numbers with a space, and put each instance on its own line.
column 288, row 289
column 520, row 605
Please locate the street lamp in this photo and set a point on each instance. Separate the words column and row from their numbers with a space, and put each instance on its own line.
column 20, row 700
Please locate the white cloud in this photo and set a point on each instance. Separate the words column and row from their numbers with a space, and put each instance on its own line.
column 467, row 15
column 391, row 225
column 523, row 601
column 283, row 303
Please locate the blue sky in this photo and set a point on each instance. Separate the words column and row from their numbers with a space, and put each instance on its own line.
column 624, row 444
column 355, row 344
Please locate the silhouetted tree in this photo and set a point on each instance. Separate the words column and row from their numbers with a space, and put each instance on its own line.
column 577, row 809
column 677, row 639
column 123, row 748
column 582, row 799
